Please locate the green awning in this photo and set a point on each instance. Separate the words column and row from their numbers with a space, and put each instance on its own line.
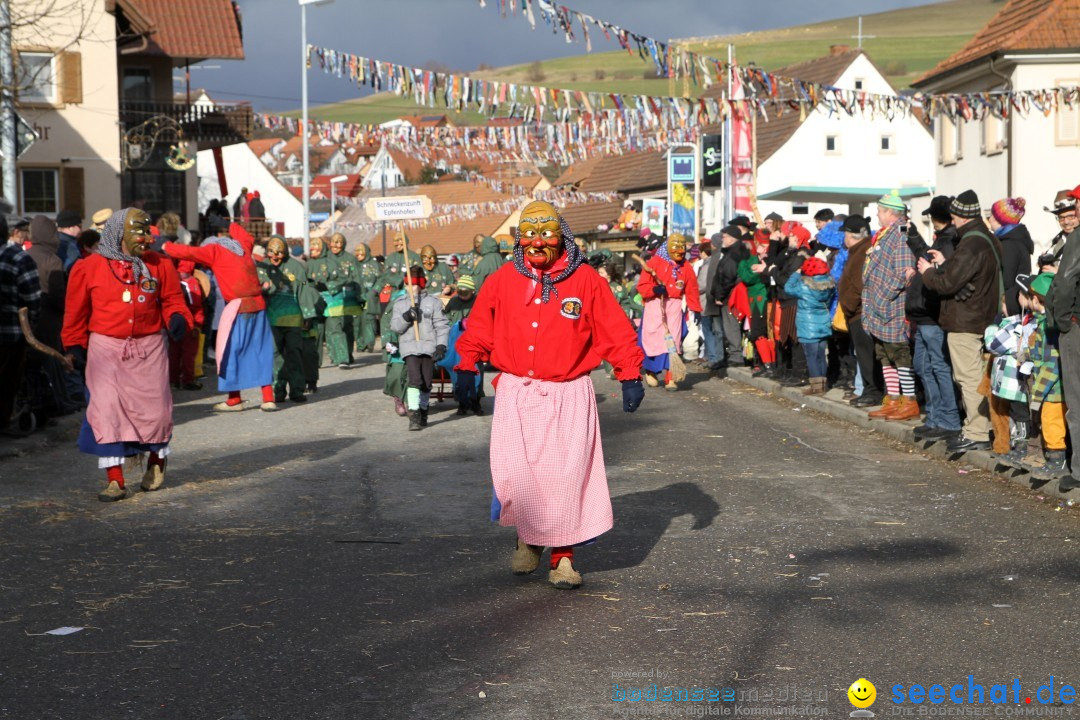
column 843, row 195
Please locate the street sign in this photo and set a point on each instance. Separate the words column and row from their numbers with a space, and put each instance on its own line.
column 25, row 135
column 682, row 168
column 319, row 217
column 398, row 208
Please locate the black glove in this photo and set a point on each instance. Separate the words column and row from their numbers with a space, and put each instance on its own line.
column 964, row 294
column 178, row 327
column 321, row 287
column 440, row 353
column 660, row 290
column 79, row 353
column 409, row 316
column 465, row 386
column 632, row 395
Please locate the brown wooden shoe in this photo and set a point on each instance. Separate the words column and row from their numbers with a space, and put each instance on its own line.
column 112, row 492
column 886, row 407
column 153, row 478
column 906, row 409
column 564, row 576
column 526, row 558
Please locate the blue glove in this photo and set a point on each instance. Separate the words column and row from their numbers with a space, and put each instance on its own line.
column 465, row 386
column 632, row 395
column 660, row 290
column 177, row 327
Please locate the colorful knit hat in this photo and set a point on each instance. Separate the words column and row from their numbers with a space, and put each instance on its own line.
column 466, row 282
column 1008, row 211
column 893, row 201
column 814, row 266
column 966, row 205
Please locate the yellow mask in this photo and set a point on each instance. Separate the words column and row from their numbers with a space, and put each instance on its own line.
column 541, row 234
column 676, row 247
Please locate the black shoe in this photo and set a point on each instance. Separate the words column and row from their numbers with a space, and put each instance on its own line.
column 279, row 398
column 1068, row 483
column 922, row 430
column 414, row 420
column 423, row 417
column 477, row 409
column 939, row 434
column 795, row 381
column 462, row 409
column 766, row 371
column 313, row 387
column 961, row 444
column 298, row 398
column 867, row 399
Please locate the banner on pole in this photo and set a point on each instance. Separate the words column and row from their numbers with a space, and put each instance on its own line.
column 653, row 215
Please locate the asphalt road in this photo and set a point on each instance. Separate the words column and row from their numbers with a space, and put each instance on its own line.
column 321, row 562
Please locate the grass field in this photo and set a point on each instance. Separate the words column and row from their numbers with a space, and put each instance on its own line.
column 906, row 44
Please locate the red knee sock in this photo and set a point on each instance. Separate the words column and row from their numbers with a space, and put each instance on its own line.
column 268, row 393
column 234, row 398
column 667, row 377
column 155, row 460
column 116, row 472
column 559, row 553
column 766, row 350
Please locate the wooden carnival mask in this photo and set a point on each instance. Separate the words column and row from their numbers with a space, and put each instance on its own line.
column 541, row 235
column 428, row 257
column 676, row 247
column 137, row 235
column 316, row 248
column 276, row 251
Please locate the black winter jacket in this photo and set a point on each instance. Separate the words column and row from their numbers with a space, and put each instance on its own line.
column 727, row 273
column 922, row 305
column 1016, row 250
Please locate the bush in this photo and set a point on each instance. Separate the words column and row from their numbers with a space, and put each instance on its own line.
column 624, row 74
column 535, row 72
column 599, row 74
column 895, row 67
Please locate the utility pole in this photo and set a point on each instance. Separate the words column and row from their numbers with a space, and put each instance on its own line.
column 7, row 105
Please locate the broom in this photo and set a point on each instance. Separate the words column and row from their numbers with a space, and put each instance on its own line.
column 675, row 361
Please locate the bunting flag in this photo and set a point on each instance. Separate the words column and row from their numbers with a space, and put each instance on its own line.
column 628, row 118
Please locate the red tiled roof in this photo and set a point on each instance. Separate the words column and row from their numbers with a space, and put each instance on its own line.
column 584, row 218
column 193, row 29
column 626, row 173
column 345, row 188
column 263, row 146
column 577, row 172
column 1020, row 25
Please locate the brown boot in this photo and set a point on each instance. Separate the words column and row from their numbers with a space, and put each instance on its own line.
column 526, row 558
column 906, row 409
column 817, row 387
column 564, row 576
column 886, row 407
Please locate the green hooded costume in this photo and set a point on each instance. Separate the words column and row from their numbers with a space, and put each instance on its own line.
column 290, row 308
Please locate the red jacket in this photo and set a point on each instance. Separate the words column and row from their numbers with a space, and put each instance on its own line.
column 95, row 299
column 560, row 340
column 235, row 274
column 670, row 274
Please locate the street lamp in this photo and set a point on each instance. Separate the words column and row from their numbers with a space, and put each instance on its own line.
column 333, row 198
column 304, row 128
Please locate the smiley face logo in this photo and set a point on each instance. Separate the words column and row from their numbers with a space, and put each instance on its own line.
column 862, row 693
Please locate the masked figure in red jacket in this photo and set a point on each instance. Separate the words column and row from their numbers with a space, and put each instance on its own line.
column 547, row 320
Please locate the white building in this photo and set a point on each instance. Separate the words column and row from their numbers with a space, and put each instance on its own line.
column 835, row 160
column 243, row 168
column 1028, row 45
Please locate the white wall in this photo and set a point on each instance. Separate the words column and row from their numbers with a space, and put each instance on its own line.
column 858, row 160
column 243, row 169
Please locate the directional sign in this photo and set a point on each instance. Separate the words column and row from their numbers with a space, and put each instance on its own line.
column 682, row 168
column 398, row 208
column 319, row 217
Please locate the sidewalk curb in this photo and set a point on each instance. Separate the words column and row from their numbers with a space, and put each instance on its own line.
column 903, row 432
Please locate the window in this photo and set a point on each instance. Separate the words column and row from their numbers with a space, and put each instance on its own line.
column 948, row 141
column 800, row 208
column 36, row 77
column 832, row 144
column 1067, row 120
column 886, row 145
column 993, row 138
column 137, row 85
column 858, row 83
column 40, row 191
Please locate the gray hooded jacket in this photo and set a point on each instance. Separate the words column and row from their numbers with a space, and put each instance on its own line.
column 434, row 327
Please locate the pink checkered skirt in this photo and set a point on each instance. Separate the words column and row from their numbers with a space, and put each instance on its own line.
column 547, row 463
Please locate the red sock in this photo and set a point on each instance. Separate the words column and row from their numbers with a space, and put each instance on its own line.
column 155, row 460
column 116, row 472
column 766, row 350
column 268, row 393
column 234, row 398
column 559, row 553
column 667, row 377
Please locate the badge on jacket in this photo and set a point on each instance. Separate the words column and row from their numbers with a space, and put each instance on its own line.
column 571, row 308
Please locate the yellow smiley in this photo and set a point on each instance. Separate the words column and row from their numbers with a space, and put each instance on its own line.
column 862, row 693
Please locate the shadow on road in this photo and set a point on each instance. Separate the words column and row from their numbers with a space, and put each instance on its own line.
column 253, row 461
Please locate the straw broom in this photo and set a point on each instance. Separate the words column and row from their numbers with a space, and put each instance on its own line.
column 675, row 361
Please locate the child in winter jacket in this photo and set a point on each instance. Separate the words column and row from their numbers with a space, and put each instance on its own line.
column 423, row 333
column 814, row 288
column 1003, row 341
column 1040, row 361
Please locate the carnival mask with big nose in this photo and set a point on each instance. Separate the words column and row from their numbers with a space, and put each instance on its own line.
column 361, row 253
column 428, row 257
column 276, row 251
column 541, row 235
column 316, row 248
column 676, row 247
column 136, row 232
column 337, row 243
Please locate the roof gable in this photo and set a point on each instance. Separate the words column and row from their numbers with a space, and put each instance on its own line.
column 192, row 28
column 1021, row 25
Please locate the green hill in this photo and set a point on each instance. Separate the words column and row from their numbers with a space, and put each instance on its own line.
column 905, row 44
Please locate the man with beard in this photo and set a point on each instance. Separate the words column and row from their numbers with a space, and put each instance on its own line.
column 663, row 289
column 546, row 321
column 119, row 302
column 440, row 278
column 290, row 308
column 364, row 323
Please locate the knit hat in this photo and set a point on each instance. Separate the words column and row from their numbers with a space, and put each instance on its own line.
column 1008, row 211
column 855, row 224
column 466, row 282
column 774, row 216
column 814, row 266
column 893, row 201
column 68, row 218
column 798, row 230
column 966, row 205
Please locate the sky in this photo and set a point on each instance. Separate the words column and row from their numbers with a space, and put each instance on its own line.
column 461, row 35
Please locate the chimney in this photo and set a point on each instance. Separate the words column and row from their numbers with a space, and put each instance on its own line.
column 839, row 49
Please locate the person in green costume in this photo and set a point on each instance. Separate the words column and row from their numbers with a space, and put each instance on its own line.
column 314, row 337
column 396, row 265
column 337, row 276
column 290, row 308
column 440, row 278
column 364, row 323
column 490, row 261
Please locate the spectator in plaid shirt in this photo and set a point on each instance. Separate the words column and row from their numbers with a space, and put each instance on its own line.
column 19, row 288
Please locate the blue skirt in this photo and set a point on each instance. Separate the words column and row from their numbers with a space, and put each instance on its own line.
column 249, row 354
column 655, row 364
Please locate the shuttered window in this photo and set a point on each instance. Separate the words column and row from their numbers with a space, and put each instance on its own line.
column 73, row 190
